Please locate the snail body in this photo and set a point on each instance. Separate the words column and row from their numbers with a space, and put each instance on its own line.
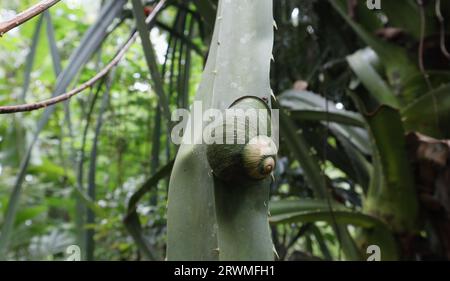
column 251, row 155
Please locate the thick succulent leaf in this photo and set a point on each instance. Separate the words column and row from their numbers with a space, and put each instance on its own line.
column 360, row 62
column 238, row 65
column 191, row 198
column 391, row 195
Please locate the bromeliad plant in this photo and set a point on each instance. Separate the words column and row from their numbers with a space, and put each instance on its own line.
column 397, row 98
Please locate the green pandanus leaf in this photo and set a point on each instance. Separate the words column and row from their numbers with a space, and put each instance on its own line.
column 241, row 189
column 191, row 222
column 392, row 195
column 207, row 219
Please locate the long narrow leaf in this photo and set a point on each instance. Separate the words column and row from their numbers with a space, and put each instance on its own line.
column 360, row 63
column 90, row 219
column 307, row 101
column 150, row 57
column 321, row 241
column 391, row 195
column 314, row 177
column 341, row 217
column 56, row 59
column 30, row 58
column 288, row 206
column 131, row 219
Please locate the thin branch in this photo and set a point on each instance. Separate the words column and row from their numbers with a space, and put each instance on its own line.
column 26, row 15
column 422, row 42
column 442, row 23
column 68, row 95
column 90, row 82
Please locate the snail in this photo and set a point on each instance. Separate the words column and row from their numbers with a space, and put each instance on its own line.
column 246, row 152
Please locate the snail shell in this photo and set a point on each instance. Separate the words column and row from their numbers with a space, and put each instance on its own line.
column 255, row 160
column 259, row 157
column 250, row 157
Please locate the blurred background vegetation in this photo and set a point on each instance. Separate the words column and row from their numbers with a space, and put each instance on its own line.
column 364, row 151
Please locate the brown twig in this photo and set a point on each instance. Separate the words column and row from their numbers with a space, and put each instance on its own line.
column 422, row 42
column 442, row 23
column 68, row 95
column 421, row 62
column 90, row 82
column 26, row 15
